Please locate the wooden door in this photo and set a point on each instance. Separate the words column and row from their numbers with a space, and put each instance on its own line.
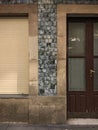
column 82, row 67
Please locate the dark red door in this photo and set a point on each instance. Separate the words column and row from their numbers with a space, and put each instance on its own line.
column 82, row 67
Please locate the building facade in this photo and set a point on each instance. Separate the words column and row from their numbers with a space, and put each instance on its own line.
column 56, row 61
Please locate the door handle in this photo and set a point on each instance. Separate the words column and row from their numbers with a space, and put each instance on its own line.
column 91, row 72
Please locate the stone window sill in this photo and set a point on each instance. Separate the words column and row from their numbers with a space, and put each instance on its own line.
column 14, row 96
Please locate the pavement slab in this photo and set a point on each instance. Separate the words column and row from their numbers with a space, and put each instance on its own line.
column 47, row 127
column 20, row 127
column 83, row 128
column 3, row 126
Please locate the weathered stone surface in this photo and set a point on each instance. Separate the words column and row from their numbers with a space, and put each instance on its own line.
column 48, row 100
column 33, row 48
column 33, row 70
column 16, row 1
column 47, row 49
column 44, row 29
column 61, row 55
column 33, row 24
column 47, row 110
column 61, row 77
column 46, row 114
column 3, row 126
column 60, row 117
column 33, row 88
column 49, row 1
column 47, row 38
column 34, row 114
column 14, row 110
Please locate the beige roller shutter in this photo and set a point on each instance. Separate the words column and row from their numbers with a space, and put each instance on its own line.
column 14, row 55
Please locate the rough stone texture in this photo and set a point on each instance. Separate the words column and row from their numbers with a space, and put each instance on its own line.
column 47, row 49
column 76, row 1
column 41, row 109
column 49, row 1
column 16, row 1
column 14, row 110
column 48, row 127
column 47, row 38
column 49, row 110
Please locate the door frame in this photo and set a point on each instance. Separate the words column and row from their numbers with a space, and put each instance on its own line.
column 88, row 106
column 62, row 13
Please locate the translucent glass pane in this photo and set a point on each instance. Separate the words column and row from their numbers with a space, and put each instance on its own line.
column 96, row 74
column 76, row 74
column 76, row 39
column 96, row 39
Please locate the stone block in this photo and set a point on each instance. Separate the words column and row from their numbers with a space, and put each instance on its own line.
column 60, row 116
column 33, row 88
column 61, row 25
column 33, row 22
column 46, row 114
column 61, row 77
column 34, row 114
column 33, row 48
column 14, row 110
column 33, row 70
column 47, row 110
column 47, row 100
column 62, row 47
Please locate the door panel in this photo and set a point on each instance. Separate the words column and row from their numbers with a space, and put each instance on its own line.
column 79, row 99
column 96, row 102
column 77, row 104
column 95, row 74
column 95, row 34
column 76, row 66
column 95, row 70
column 76, row 39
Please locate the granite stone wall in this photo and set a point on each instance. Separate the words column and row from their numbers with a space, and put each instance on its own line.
column 47, row 49
column 49, row 1
column 47, row 39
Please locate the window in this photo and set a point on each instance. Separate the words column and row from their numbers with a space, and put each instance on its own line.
column 14, row 61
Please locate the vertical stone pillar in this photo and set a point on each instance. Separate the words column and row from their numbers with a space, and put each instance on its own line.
column 47, row 25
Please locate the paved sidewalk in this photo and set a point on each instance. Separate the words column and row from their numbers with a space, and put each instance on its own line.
column 47, row 127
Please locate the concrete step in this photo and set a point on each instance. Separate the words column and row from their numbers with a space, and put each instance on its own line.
column 82, row 121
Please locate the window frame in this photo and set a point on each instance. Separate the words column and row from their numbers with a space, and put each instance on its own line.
column 30, row 11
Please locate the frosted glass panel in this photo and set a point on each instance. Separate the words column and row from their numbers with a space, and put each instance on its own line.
column 96, row 74
column 96, row 39
column 76, row 39
column 76, row 74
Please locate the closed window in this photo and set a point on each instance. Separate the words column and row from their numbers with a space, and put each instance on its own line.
column 14, row 61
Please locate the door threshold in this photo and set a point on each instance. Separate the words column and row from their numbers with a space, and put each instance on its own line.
column 82, row 121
